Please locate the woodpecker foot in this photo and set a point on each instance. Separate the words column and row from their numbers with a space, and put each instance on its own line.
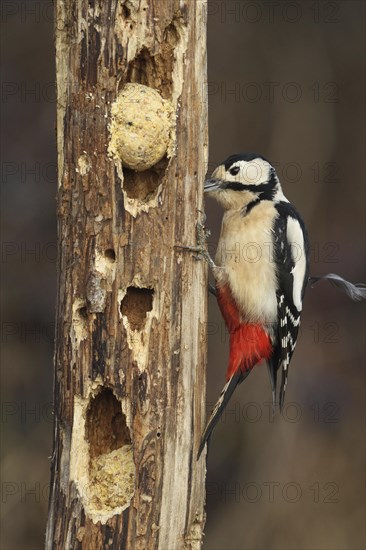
column 201, row 250
column 201, row 253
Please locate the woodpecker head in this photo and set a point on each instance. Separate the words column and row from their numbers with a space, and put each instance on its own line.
column 241, row 179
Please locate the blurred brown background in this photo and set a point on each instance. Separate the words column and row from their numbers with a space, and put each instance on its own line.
column 286, row 79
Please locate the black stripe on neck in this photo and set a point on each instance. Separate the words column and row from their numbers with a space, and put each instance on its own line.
column 266, row 191
column 250, row 206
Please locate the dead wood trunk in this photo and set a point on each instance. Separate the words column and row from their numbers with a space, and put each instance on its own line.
column 131, row 312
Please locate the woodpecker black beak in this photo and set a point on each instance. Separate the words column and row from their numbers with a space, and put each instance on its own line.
column 212, row 184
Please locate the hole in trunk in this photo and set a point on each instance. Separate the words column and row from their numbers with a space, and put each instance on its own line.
column 111, row 465
column 106, row 428
column 154, row 70
column 136, row 304
column 83, row 312
column 110, row 255
column 142, row 185
column 126, row 12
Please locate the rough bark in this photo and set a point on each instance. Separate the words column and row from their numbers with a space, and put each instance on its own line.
column 131, row 309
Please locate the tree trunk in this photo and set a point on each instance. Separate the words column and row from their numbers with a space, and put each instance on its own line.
column 131, row 309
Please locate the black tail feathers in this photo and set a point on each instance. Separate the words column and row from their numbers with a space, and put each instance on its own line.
column 273, row 364
column 223, row 400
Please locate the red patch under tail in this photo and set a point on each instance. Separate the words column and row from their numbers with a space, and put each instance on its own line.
column 249, row 343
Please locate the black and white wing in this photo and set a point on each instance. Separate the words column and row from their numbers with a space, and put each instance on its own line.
column 292, row 267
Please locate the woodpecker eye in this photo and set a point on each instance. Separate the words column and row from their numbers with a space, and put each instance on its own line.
column 234, row 171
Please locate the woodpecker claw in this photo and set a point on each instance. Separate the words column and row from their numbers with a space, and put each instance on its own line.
column 200, row 249
column 202, row 252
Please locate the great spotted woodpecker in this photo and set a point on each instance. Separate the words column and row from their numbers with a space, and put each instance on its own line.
column 261, row 272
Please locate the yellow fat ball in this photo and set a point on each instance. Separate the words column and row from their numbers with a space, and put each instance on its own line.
column 140, row 127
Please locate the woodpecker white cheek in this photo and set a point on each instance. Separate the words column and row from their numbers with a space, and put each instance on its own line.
column 253, row 174
column 141, row 127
